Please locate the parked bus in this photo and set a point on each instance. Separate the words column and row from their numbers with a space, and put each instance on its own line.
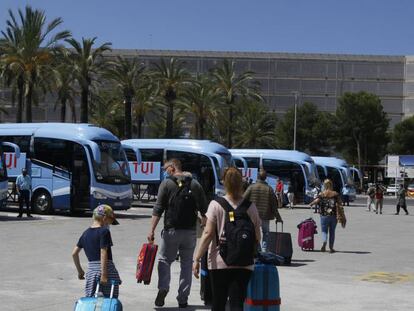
column 338, row 171
column 74, row 167
column 4, row 182
column 288, row 165
column 204, row 159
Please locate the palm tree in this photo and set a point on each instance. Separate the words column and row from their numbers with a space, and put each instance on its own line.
column 88, row 64
column 171, row 77
column 106, row 110
column 199, row 99
column 12, row 72
column 29, row 47
column 255, row 126
column 231, row 86
column 145, row 99
column 126, row 74
column 64, row 79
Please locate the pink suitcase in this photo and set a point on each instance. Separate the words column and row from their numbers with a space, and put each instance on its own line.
column 307, row 230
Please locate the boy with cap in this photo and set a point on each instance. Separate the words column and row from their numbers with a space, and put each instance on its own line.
column 96, row 242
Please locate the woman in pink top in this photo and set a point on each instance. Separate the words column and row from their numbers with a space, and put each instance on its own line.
column 227, row 282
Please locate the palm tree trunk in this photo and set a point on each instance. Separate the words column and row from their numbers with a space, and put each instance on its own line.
column 84, row 105
column 201, row 122
column 63, row 110
column 73, row 109
column 29, row 97
column 128, row 117
column 20, row 91
column 230, row 128
column 169, row 128
column 140, row 121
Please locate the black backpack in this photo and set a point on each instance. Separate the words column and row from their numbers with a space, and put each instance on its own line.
column 182, row 206
column 237, row 244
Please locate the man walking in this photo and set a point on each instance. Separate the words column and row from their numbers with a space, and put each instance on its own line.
column 263, row 196
column 371, row 198
column 24, row 187
column 181, row 198
column 402, row 202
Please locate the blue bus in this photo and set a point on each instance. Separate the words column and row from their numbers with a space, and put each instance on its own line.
column 339, row 172
column 4, row 182
column 74, row 167
column 204, row 159
column 288, row 165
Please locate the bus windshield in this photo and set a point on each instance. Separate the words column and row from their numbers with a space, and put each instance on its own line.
column 113, row 168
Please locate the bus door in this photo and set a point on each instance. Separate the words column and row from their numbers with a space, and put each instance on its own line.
column 81, row 180
column 61, row 182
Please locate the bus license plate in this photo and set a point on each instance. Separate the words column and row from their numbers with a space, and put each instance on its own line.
column 118, row 203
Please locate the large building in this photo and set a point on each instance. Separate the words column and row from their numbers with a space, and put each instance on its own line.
column 318, row 78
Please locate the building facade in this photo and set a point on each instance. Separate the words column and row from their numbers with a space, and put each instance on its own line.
column 318, row 78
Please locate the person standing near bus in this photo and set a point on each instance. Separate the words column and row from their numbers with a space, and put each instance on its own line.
column 379, row 198
column 291, row 195
column 279, row 192
column 401, row 201
column 24, row 187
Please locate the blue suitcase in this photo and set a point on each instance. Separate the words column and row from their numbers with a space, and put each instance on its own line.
column 99, row 303
column 263, row 292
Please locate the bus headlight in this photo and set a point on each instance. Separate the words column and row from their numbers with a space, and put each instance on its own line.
column 99, row 196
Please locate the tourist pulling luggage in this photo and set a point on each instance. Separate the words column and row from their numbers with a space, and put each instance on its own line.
column 307, row 230
column 145, row 262
column 99, row 302
column 280, row 243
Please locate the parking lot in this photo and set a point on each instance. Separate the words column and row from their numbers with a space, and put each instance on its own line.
column 372, row 270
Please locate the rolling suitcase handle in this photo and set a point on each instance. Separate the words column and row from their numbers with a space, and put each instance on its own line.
column 98, row 282
column 276, row 226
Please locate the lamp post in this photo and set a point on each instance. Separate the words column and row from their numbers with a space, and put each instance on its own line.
column 296, row 94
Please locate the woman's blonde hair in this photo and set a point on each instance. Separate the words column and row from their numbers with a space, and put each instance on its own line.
column 233, row 182
column 327, row 184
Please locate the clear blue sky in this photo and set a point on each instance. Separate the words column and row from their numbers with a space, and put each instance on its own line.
column 315, row 26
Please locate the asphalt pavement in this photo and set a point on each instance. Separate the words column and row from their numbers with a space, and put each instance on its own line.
column 373, row 268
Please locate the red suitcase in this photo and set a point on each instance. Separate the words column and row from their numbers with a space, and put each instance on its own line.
column 145, row 262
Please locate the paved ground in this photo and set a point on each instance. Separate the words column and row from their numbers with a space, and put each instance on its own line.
column 372, row 270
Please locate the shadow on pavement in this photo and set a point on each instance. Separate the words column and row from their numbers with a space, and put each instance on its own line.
column 15, row 218
column 303, row 260
column 353, row 252
column 295, row 264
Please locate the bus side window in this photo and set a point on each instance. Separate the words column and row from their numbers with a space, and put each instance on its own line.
column 252, row 162
column 130, row 155
column 198, row 165
column 239, row 163
column 152, row 155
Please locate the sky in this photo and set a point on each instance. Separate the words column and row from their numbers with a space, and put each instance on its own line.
column 381, row 27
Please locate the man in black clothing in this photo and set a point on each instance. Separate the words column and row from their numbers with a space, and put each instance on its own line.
column 179, row 235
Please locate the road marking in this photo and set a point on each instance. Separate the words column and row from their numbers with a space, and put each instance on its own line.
column 386, row 277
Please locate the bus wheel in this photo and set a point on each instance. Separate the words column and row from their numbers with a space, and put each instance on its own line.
column 42, row 202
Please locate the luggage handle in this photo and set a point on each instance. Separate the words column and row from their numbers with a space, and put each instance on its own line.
column 276, row 225
column 98, row 282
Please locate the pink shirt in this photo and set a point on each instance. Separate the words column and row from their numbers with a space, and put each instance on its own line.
column 216, row 215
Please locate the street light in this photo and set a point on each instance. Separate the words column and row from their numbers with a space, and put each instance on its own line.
column 296, row 94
